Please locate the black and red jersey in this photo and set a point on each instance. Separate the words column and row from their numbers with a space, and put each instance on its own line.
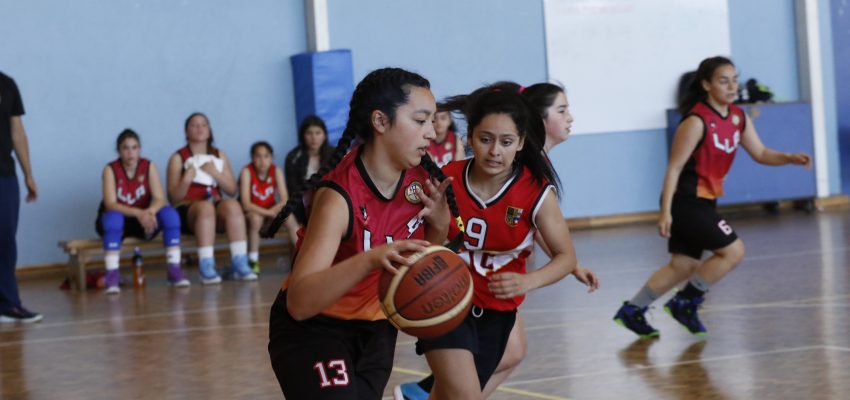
column 444, row 152
column 499, row 231
column 198, row 191
column 262, row 190
column 132, row 192
column 709, row 163
column 373, row 220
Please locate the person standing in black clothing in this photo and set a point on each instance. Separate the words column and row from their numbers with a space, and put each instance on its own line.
column 13, row 137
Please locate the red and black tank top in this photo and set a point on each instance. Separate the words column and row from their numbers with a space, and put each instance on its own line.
column 132, row 192
column 373, row 221
column 198, row 191
column 709, row 163
column 499, row 231
column 262, row 190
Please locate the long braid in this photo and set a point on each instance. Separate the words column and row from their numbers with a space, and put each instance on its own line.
column 435, row 171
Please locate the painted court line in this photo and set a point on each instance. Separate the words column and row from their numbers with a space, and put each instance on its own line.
column 697, row 361
column 502, row 388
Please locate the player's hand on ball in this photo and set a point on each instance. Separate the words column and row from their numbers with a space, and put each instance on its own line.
column 508, row 285
column 391, row 254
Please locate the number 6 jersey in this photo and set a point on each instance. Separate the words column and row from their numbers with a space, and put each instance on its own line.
column 499, row 231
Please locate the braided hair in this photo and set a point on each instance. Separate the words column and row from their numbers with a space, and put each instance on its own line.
column 385, row 90
column 504, row 98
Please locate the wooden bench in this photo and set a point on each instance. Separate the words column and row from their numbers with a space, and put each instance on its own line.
column 82, row 251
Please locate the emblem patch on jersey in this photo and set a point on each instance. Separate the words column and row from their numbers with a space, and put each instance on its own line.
column 736, row 119
column 448, row 146
column 513, row 215
column 142, row 178
column 410, row 192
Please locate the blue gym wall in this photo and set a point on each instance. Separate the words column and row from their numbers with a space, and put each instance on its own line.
column 89, row 69
column 841, row 45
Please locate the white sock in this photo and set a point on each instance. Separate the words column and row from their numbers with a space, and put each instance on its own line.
column 111, row 259
column 205, row 252
column 239, row 248
column 172, row 255
column 254, row 256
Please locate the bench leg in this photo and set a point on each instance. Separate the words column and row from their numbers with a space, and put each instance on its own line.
column 77, row 272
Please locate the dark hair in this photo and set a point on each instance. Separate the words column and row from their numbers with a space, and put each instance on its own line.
column 259, row 144
column 299, row 158
column 541, row 96
column 385, row 90
column 504, row 98
column 124, row 135
column 695, row 92
column 189, row 119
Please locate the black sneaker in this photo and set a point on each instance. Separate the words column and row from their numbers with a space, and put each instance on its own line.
column 20, row 315
column 685, row 311
column 631, row 317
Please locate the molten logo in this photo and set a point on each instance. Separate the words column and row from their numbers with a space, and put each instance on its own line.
column 447, row 298
column 431, row 271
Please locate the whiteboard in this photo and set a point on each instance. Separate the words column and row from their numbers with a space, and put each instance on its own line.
column 621, row 60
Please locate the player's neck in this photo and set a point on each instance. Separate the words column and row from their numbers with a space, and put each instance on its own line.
column 441, row 137
column 722, row 108
column 484, row 185
column 130, row 167
column 198, row 147
column 381, row 170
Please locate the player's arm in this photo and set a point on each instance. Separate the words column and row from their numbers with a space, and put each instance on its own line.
column 460, row 153
column 245, row 194
column 315, row 283
column 686, row 139
column 177, row 182
column 225, row 179
column 767, row 156
column 157, row 194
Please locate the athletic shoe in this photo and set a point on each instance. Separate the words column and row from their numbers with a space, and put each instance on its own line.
column 685, row 311
column 112, row 279
column 175, row 276
column 255, row 266
column 409, row 391
column 208, row 273
column 632, row 318
column 241, row 271
column 20, row 315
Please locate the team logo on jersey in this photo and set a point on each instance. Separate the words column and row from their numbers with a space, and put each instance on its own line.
column 736, row 119
column 141, row 179
column 410, row 192
column 513, row 215
column 448, row 146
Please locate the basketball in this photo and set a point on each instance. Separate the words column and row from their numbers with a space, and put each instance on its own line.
column 430, row 297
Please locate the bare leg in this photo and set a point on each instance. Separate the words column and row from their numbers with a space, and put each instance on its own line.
column 201, row 218
column 679, row 269
column 515, row 352
column 454, row 375
column 255, row 222
column 722, row 262
column 230, row 212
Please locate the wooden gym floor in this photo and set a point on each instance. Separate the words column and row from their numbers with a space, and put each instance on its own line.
column 779, row 328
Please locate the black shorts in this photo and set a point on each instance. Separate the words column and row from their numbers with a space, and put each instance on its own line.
column 132, row 228
column 484, row 333
column 328, row 358
column 697, row 226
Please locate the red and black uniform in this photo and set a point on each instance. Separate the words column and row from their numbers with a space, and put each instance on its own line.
column 133, row 192
column 696, row 224
column 499, row 238
column 350, row 341
column 443, row 152
column 262, row 190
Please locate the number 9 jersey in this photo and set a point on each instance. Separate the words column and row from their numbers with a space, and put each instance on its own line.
column 499, row 231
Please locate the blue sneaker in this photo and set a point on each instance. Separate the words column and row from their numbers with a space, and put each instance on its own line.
column 631, row 317
column 208, row 273
column 409, row 391
column 685, row 311
column 241, row 271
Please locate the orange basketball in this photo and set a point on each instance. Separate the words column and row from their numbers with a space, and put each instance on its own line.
column 430, row 297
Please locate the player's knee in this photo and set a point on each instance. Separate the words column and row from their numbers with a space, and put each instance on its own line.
column 203, row 209
column 515, row 352
column 168, row 218
column 734, row 252
column 113, row 229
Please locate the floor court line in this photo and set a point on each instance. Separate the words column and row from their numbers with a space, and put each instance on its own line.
column 502, row 388
column 701, row 360
column 130, row 334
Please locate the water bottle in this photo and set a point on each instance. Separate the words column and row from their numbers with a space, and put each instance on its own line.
column 138, row 271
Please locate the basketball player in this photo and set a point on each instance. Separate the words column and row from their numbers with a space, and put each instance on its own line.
column 134, row 205
column 197, row 174
column 702, row 152
column 447, row 146
column 329, row 338
column 506, row 192
column 262, row 192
